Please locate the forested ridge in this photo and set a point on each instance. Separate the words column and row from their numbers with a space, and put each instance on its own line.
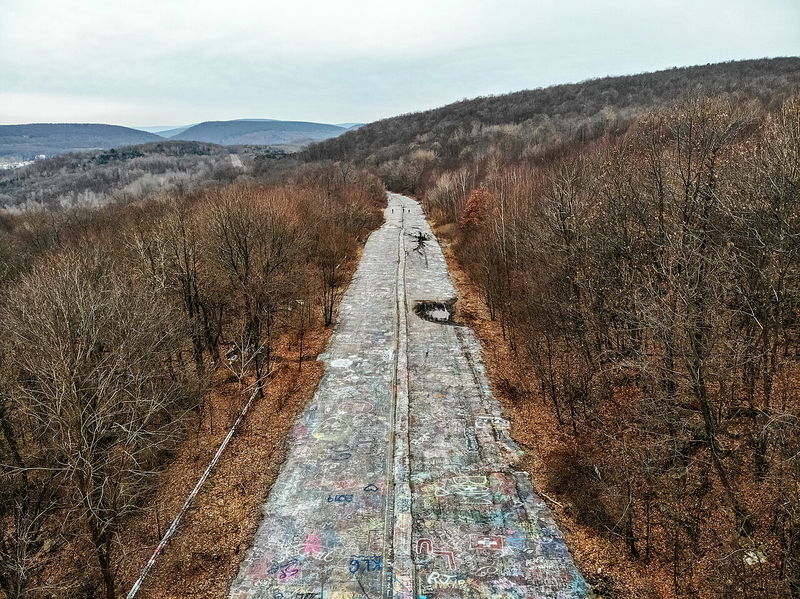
column 116, row 175
column 534, row 124
column 26, row 141
column 264, row 132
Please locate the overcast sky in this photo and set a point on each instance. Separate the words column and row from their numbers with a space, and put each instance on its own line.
column 173, row 62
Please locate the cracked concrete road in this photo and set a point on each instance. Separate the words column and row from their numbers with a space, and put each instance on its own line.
column 400, row 479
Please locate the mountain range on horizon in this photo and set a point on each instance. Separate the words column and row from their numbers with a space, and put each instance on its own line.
column 576, row 106
column 25, row 141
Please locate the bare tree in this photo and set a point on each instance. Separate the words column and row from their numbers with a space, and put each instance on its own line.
column 254, row 243
column 93, row 392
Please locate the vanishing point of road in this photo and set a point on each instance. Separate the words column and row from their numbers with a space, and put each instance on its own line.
column 400, row 478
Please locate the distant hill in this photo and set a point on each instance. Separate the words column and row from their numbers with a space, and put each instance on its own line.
column 50, row 139
column 168, row 133
column 534, row 122
column 162, row 128
column 259, row 132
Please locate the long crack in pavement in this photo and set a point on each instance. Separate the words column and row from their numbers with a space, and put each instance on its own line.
column 400, row 480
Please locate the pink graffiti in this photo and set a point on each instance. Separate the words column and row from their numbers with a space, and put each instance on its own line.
column 313, row 544
column 259, row 570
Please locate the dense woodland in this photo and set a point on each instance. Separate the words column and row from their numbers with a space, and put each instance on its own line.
column 114, row 322
column 649, row 286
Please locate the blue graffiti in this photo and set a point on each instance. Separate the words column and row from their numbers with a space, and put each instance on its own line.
column 365, row 563
column 340, row 498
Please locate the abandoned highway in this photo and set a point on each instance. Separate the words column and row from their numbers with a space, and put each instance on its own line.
column 400, row 478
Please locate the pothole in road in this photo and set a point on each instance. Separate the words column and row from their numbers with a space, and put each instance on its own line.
column 438, row 312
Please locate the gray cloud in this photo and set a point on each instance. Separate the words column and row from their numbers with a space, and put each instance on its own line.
column 179, row 61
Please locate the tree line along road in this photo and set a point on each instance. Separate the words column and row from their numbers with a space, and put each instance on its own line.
column 400, row 478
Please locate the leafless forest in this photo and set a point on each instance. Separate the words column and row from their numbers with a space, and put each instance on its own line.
column 114, row 322
column 648, row 284
column 535, row 125
column 91, row 179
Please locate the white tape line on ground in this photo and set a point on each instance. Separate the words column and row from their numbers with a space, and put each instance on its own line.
column 172, row 527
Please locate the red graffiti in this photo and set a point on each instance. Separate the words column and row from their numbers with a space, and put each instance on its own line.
column 481, row 542
column 425, row 547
